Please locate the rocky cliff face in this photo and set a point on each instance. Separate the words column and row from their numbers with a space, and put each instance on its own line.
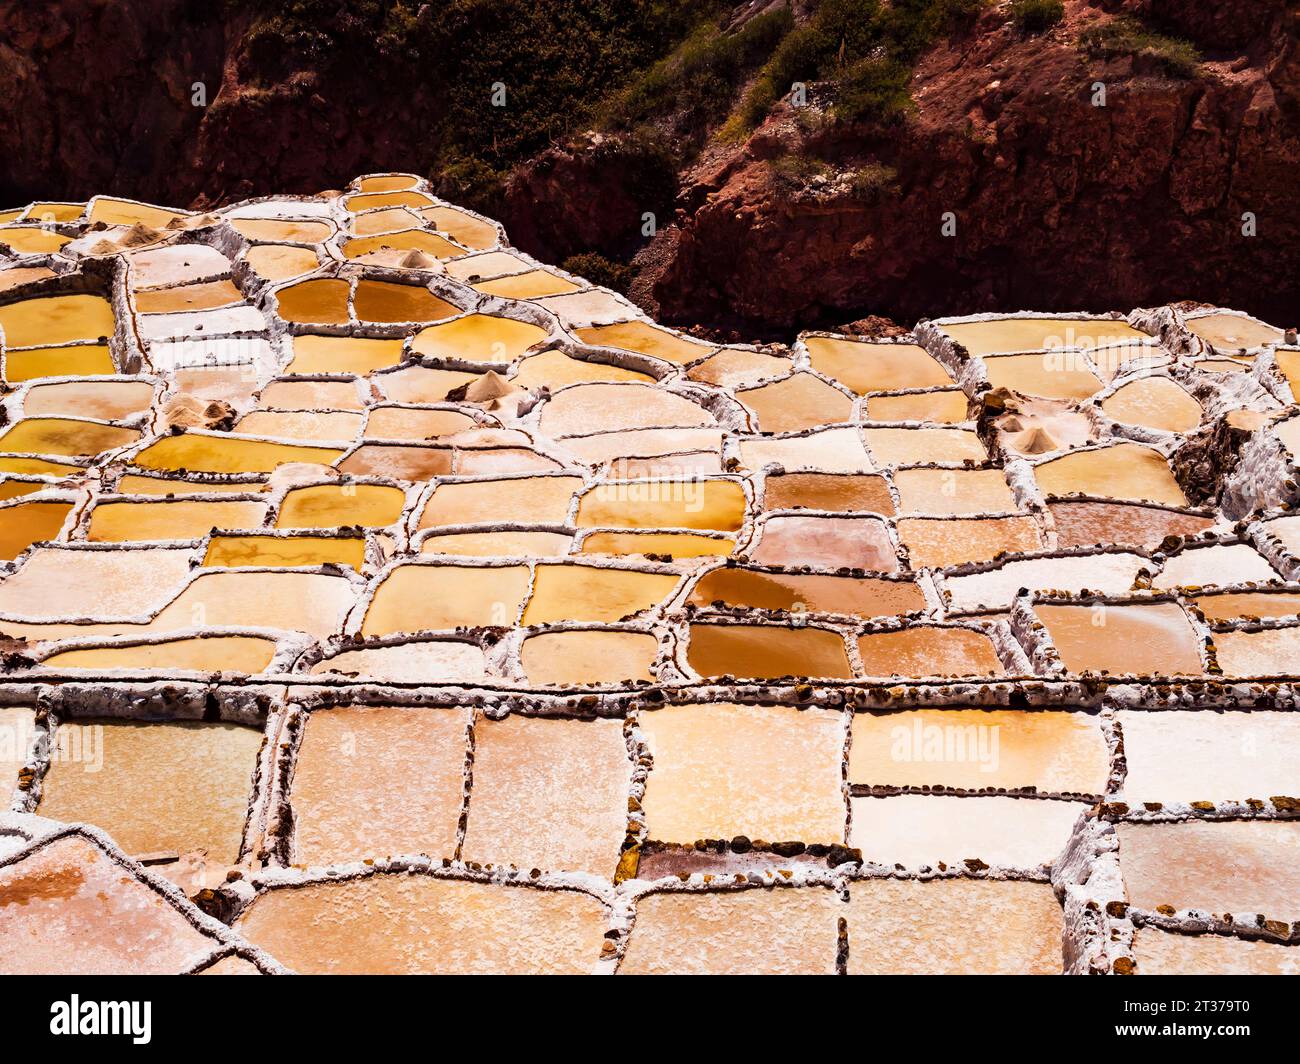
column 1054, row 202
column 1049, row 200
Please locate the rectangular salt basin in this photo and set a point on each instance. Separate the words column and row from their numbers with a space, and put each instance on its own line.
column 548, row 794
column 922, row 830
column 155, row 788
column 766, row 772
column 1222, row 564
column 1201, row 756
column 934, row 542
column 1167, row 953
column 954, row 927
column 238, row 319
column 1107, row 574
column 760, row 652
column 1229, row 866
column 17, row 730
column 70, row 909
column 1153, row 639
column 768, row 931
column 971, row 749
column 370, row 781
column 1041, row 334
column 953, row 491
column 588, row 657
column 394, row 924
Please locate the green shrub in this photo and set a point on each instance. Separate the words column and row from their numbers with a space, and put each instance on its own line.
column 601, row 271
column 874, row 88
column 861, row 45
column 697, row 83
column 871, row 183
column 1036, row 16
column 1128, row 36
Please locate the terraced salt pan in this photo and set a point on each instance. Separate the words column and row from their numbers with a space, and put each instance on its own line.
column 943, row 542
column 1156, row 403
column 807, row 592
column 1107, row 574
column 555, row 370
column 1144, row 639
column 865, row 367
column 922, row 830
column 953, row 491
column 1049, row 375
column 26, row 523
column 722, row 770
column 1229, row 333
column 1160, row 953
column 760, row 652
column 1223, row 564
column 408, row 763
column 69, row 908
column 801, row 401
column 825, row 491
column 1210, row 757
column 398, row 924
column 1268, row 652
column 945, row 407
column 894, row 447
column 1125, row 471
column 588, row 408
column 427, row 661
column 953, row 926
column 588, row 656
column 1215, row 866
column 706, row 504
column 285, row 551
column 208, row 653
column 925, row 650
column 156, row 788
column 974, row 749
column 1030, row 333
column 826, row 542
column 733, row 367
column 747, row 932
column 548, row 794
column 78, row 360
column 511, row 543
column 1087, row 524
column 104, row 400
column 828, row 451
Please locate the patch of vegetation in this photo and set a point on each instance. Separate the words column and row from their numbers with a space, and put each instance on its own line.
column 1036, row 16
column 875, row 87
column 862, row 47
column 1129, row 37
column 794, row 173
column 696, row 84
column 601, row 271
column 873, row 182
column 555, row 62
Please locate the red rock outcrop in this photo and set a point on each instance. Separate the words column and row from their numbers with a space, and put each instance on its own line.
column 1056, row 202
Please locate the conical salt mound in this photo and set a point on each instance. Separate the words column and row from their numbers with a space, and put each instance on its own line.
column 1036, row 441
column 489, row 386
column 1012, row 424
column 417, row 260
column 138, row 235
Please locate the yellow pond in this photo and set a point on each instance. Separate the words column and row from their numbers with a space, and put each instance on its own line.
column 227, row 454
column 478, row 338
column 56, row 320
column 335, row 505
column 285, row 551
column 588, row 593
